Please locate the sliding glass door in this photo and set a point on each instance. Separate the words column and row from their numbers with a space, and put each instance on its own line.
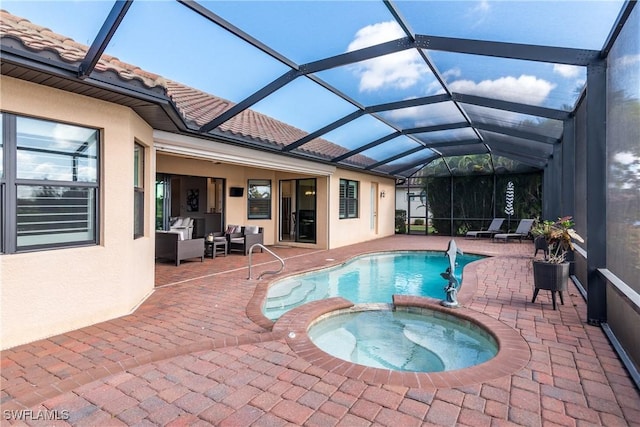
column 163, row 201
column 306, row 210
column 298, row 210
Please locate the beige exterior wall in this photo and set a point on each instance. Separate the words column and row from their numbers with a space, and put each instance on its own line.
column 376, row 214
column 50, row 292
column 331, row 232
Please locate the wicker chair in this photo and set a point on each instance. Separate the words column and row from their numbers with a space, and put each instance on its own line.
column 245, row 239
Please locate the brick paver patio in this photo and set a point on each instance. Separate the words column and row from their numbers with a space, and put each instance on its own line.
column 196, row 353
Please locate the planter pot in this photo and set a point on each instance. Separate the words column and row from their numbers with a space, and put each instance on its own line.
column 550, row 277
column 540, row 244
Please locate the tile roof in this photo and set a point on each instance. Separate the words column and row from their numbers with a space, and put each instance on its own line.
column 196, row 107
column 38, row 39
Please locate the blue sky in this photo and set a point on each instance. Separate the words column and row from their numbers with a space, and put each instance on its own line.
column 167, row 38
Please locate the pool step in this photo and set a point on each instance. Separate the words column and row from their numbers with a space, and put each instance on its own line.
column 291, row 296
column 439, row 344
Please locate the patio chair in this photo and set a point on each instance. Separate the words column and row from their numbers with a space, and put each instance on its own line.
column 524, row 227
column 494, row 228
column 248, row 236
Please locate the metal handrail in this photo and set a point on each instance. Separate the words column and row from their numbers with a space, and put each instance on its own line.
column 264, row 248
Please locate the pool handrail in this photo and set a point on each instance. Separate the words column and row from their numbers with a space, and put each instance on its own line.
column 271, row 252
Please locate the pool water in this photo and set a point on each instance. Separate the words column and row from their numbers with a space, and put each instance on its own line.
column 367, row 279
column 403, row 341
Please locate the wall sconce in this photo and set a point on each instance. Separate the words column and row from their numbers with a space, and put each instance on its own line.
column 382, row 194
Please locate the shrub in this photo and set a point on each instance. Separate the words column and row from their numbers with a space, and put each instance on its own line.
column 401, row 221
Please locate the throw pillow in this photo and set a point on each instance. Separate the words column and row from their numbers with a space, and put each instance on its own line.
column 251, row 229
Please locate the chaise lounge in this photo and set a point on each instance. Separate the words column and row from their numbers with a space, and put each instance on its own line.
column 523, row 230
column 494, row 228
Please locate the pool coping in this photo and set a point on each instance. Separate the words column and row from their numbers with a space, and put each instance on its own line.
column 513, row 351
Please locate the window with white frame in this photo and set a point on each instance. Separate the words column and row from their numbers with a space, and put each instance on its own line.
column 348, row 199
column 49, row 185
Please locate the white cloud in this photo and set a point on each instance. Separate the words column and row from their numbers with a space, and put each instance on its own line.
column 426, row 115
column 627, row 61
column 69, row 137
column 400, row 70
column 626, row 158
column 482, row 6
column 435, row 88
column 452, row 73
column 374, row 34
column 568, row 71
column 479, row 12
column 525, row 89
column 33, row 167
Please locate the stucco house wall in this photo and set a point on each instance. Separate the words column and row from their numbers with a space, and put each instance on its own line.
column 330, row 232
column 352, row 230
column 53, row 291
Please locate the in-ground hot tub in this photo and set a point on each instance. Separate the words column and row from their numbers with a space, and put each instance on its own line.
column 513, row 353
column 411, row 339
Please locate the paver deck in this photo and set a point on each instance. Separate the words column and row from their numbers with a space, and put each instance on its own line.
column 196, row 353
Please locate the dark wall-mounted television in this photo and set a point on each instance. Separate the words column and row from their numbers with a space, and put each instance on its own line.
column 236, row 191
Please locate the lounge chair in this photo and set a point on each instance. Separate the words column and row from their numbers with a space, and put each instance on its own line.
column 524, row 227
column 494, row 228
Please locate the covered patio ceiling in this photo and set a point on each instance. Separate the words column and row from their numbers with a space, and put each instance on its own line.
column 395, row 84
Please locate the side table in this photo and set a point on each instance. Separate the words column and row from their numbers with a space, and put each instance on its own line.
column 217, row 245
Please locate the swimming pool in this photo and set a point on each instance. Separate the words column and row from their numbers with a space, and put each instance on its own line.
column 367, row 279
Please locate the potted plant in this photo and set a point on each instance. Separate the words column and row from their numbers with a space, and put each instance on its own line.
column 555, row 239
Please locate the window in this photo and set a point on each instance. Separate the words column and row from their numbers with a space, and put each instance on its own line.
column 348, row 199
column 259, row 199
column 49, row 185
column 138, row 190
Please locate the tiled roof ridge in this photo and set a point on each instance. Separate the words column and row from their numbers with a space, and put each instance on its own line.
column 195, row 105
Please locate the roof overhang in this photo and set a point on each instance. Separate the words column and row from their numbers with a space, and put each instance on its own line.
column 198, row 148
